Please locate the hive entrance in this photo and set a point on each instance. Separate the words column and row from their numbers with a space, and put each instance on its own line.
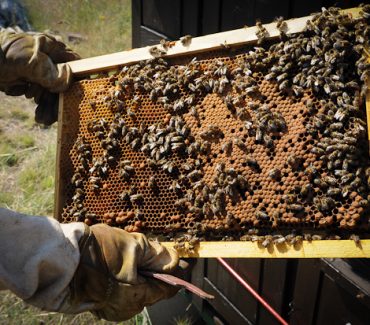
column 223, row 145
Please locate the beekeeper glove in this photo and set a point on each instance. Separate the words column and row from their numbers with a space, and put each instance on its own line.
column 108, row 277
column 28, row 66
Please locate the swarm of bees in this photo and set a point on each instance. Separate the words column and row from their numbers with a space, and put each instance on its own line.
column 204, row 174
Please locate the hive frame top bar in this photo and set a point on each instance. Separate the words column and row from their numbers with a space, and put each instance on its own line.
column 216, row 41
column 235, row 249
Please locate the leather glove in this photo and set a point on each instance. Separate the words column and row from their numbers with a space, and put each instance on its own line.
column 108, row 279
column 28, row 66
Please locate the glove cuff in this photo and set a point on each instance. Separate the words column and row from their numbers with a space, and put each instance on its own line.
column 92, row 283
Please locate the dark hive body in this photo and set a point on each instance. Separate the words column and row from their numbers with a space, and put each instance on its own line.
column 267, row 140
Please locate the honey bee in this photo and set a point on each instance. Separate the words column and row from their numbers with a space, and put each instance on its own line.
column 336, row 126
column 205, row 147
column 330, row 180
column 228, row 100
column 282, row 77
column 79, row 196
column 259, row 135
column 252, row 90
column 289, row 198
column 77, row 179
column 267, row 241
column 179, row 244
column 326, row 203
column 296, row 207
column 278, row 239
column 152, row 183
column 356, row 239
column 92, row 104
column 185, row 40
column 262, row 215
column 194, row 175
column 306, row 190
column 270, row 76
column 137, row 199
column 252, row 162
column 169, row 167
column 124, row 196
column 284, row 85
column 175, row 186
column 317, row 237
column 181, row 203
column 261, row 33
column 274, row 174
column 253, row 105
column 268, row 141
column 227, row 147
column 225, row 46
column 240, row 144
column 296, row 240
column 212, row 132
column 298, row 91
column 347, row 178
column 156, row 51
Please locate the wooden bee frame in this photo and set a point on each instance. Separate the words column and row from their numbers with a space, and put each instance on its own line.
column 235, row 249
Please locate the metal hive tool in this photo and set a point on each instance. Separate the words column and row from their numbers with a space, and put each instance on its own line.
column 224, row 146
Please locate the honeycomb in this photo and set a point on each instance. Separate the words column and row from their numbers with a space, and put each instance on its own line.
column 226, row 145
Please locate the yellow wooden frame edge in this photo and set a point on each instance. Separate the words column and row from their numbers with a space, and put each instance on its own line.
column 305, row 249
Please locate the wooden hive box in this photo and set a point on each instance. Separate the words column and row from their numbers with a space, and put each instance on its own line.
column 93, row 95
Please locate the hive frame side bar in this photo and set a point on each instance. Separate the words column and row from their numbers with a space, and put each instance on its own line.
column 368, row 112
column 58, row 186
column 313, row 249
column 368, row 105
column 210, row 42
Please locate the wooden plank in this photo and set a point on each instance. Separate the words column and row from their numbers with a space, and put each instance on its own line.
column 136, row 9
column 314, row 249
column 237, row 13
column 248, row 269
column 267, row 10
column 199, row 44
column 337, row 306
column 353, row 277
column 150, row 37
column 223, row 305
column 190, row 17
column 273, row 289
column 162, row 16
column 210, row 16
column 197, row 278
column 309, row 7
column 230, row 289
column 305, row 292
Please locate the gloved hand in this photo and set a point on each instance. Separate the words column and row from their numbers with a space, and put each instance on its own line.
column 107, row 276
column 28, row 66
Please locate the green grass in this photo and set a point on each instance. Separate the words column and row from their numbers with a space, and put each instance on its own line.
column 19, row 114
column 14, row 311
column 182, row 321
column 28, row 151
column 106, row 25
column 36, row 180
column 27, row 161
